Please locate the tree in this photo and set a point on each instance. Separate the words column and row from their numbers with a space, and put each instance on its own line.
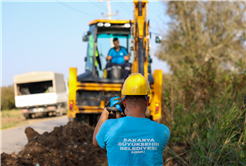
column 7, row 98
column 203, row 30
column 204, row 39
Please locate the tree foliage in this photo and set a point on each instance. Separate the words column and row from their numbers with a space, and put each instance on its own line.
column 7, row 98
column 205, row 47
column 200, row 31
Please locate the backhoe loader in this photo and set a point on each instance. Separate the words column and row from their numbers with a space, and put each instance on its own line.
column 89, row 92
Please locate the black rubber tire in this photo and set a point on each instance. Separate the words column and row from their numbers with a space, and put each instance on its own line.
column 26, row 116
column 32, row 116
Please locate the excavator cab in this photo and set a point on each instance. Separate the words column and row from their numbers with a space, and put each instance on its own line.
column 89, row 91
column 100, row 41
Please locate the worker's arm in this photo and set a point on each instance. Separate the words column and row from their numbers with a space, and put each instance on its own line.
column 127, row 57
column 108, row 58
column 101, row 129
column 103, row 118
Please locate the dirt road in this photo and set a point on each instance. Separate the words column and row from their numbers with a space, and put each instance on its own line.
column 13, row 140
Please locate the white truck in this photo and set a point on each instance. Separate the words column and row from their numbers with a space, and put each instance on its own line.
column 41, row 94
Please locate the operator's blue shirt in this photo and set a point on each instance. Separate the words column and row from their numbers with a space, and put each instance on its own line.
column 117, row 56
column 133, row 141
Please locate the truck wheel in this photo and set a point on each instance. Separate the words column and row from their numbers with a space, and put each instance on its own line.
column 50, row 114
column 33, row 116
column 26, row 116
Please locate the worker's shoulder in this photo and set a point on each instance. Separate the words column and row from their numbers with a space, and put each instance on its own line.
column 122, row 47
column 114, row 121
column 160, row 126
column 111, row 49
column 115, row 124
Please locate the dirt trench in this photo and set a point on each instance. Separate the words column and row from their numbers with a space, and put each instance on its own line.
column 67, row 145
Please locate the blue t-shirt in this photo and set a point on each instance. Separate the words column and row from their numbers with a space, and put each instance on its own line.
column 117, row 56
column 133, row 141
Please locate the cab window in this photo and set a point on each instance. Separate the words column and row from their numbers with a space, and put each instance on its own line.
column 105, row 43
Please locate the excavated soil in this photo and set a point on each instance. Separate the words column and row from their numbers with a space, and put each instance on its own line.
column 67, row 145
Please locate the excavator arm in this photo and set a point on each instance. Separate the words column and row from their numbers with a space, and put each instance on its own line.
column 141, row 49
column 141, row 37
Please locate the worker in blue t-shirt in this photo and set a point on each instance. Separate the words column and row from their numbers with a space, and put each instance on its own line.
column 118, row 55
column 134, row 139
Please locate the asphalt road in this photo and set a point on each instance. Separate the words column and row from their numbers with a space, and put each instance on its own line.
column 14, row 140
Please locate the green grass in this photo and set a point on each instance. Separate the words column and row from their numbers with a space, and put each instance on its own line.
column 213, row 136
column 11, row 118
column 10, row 113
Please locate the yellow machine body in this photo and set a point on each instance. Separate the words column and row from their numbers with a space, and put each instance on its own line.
column 140, row 39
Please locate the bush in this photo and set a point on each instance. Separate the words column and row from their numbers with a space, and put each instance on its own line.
column 7, row 98
column 214, row 136
column 213, row 133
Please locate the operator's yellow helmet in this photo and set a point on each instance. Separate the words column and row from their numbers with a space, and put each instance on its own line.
column 136, row 84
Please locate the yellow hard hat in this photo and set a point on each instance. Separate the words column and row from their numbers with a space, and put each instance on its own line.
column 136, row 84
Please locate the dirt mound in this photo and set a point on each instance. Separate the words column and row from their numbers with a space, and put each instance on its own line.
column 65, row 145
column 30, row 133
column 7, row 159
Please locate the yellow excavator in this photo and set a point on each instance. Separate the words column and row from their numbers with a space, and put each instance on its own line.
column 90, row 91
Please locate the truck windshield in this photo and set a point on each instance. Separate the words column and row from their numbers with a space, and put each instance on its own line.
column 104, row 44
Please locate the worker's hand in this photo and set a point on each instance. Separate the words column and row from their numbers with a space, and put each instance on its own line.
column 109, row 58
column 126, row 58
column 117, row 103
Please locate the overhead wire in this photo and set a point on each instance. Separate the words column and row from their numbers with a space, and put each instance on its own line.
column 125, row 8
column 99, row 7
column 101, row 4
column 77, row 10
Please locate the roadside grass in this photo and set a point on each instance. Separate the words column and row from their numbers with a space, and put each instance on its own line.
column 12, row 118
column 213, row 136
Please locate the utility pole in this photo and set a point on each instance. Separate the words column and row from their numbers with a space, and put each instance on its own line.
column 109, row 9
column 109, row 15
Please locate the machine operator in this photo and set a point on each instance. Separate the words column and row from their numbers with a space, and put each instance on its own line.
column 118, row 55
column 134, row 139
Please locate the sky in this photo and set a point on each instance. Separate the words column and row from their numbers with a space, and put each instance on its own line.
column 47, row 36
